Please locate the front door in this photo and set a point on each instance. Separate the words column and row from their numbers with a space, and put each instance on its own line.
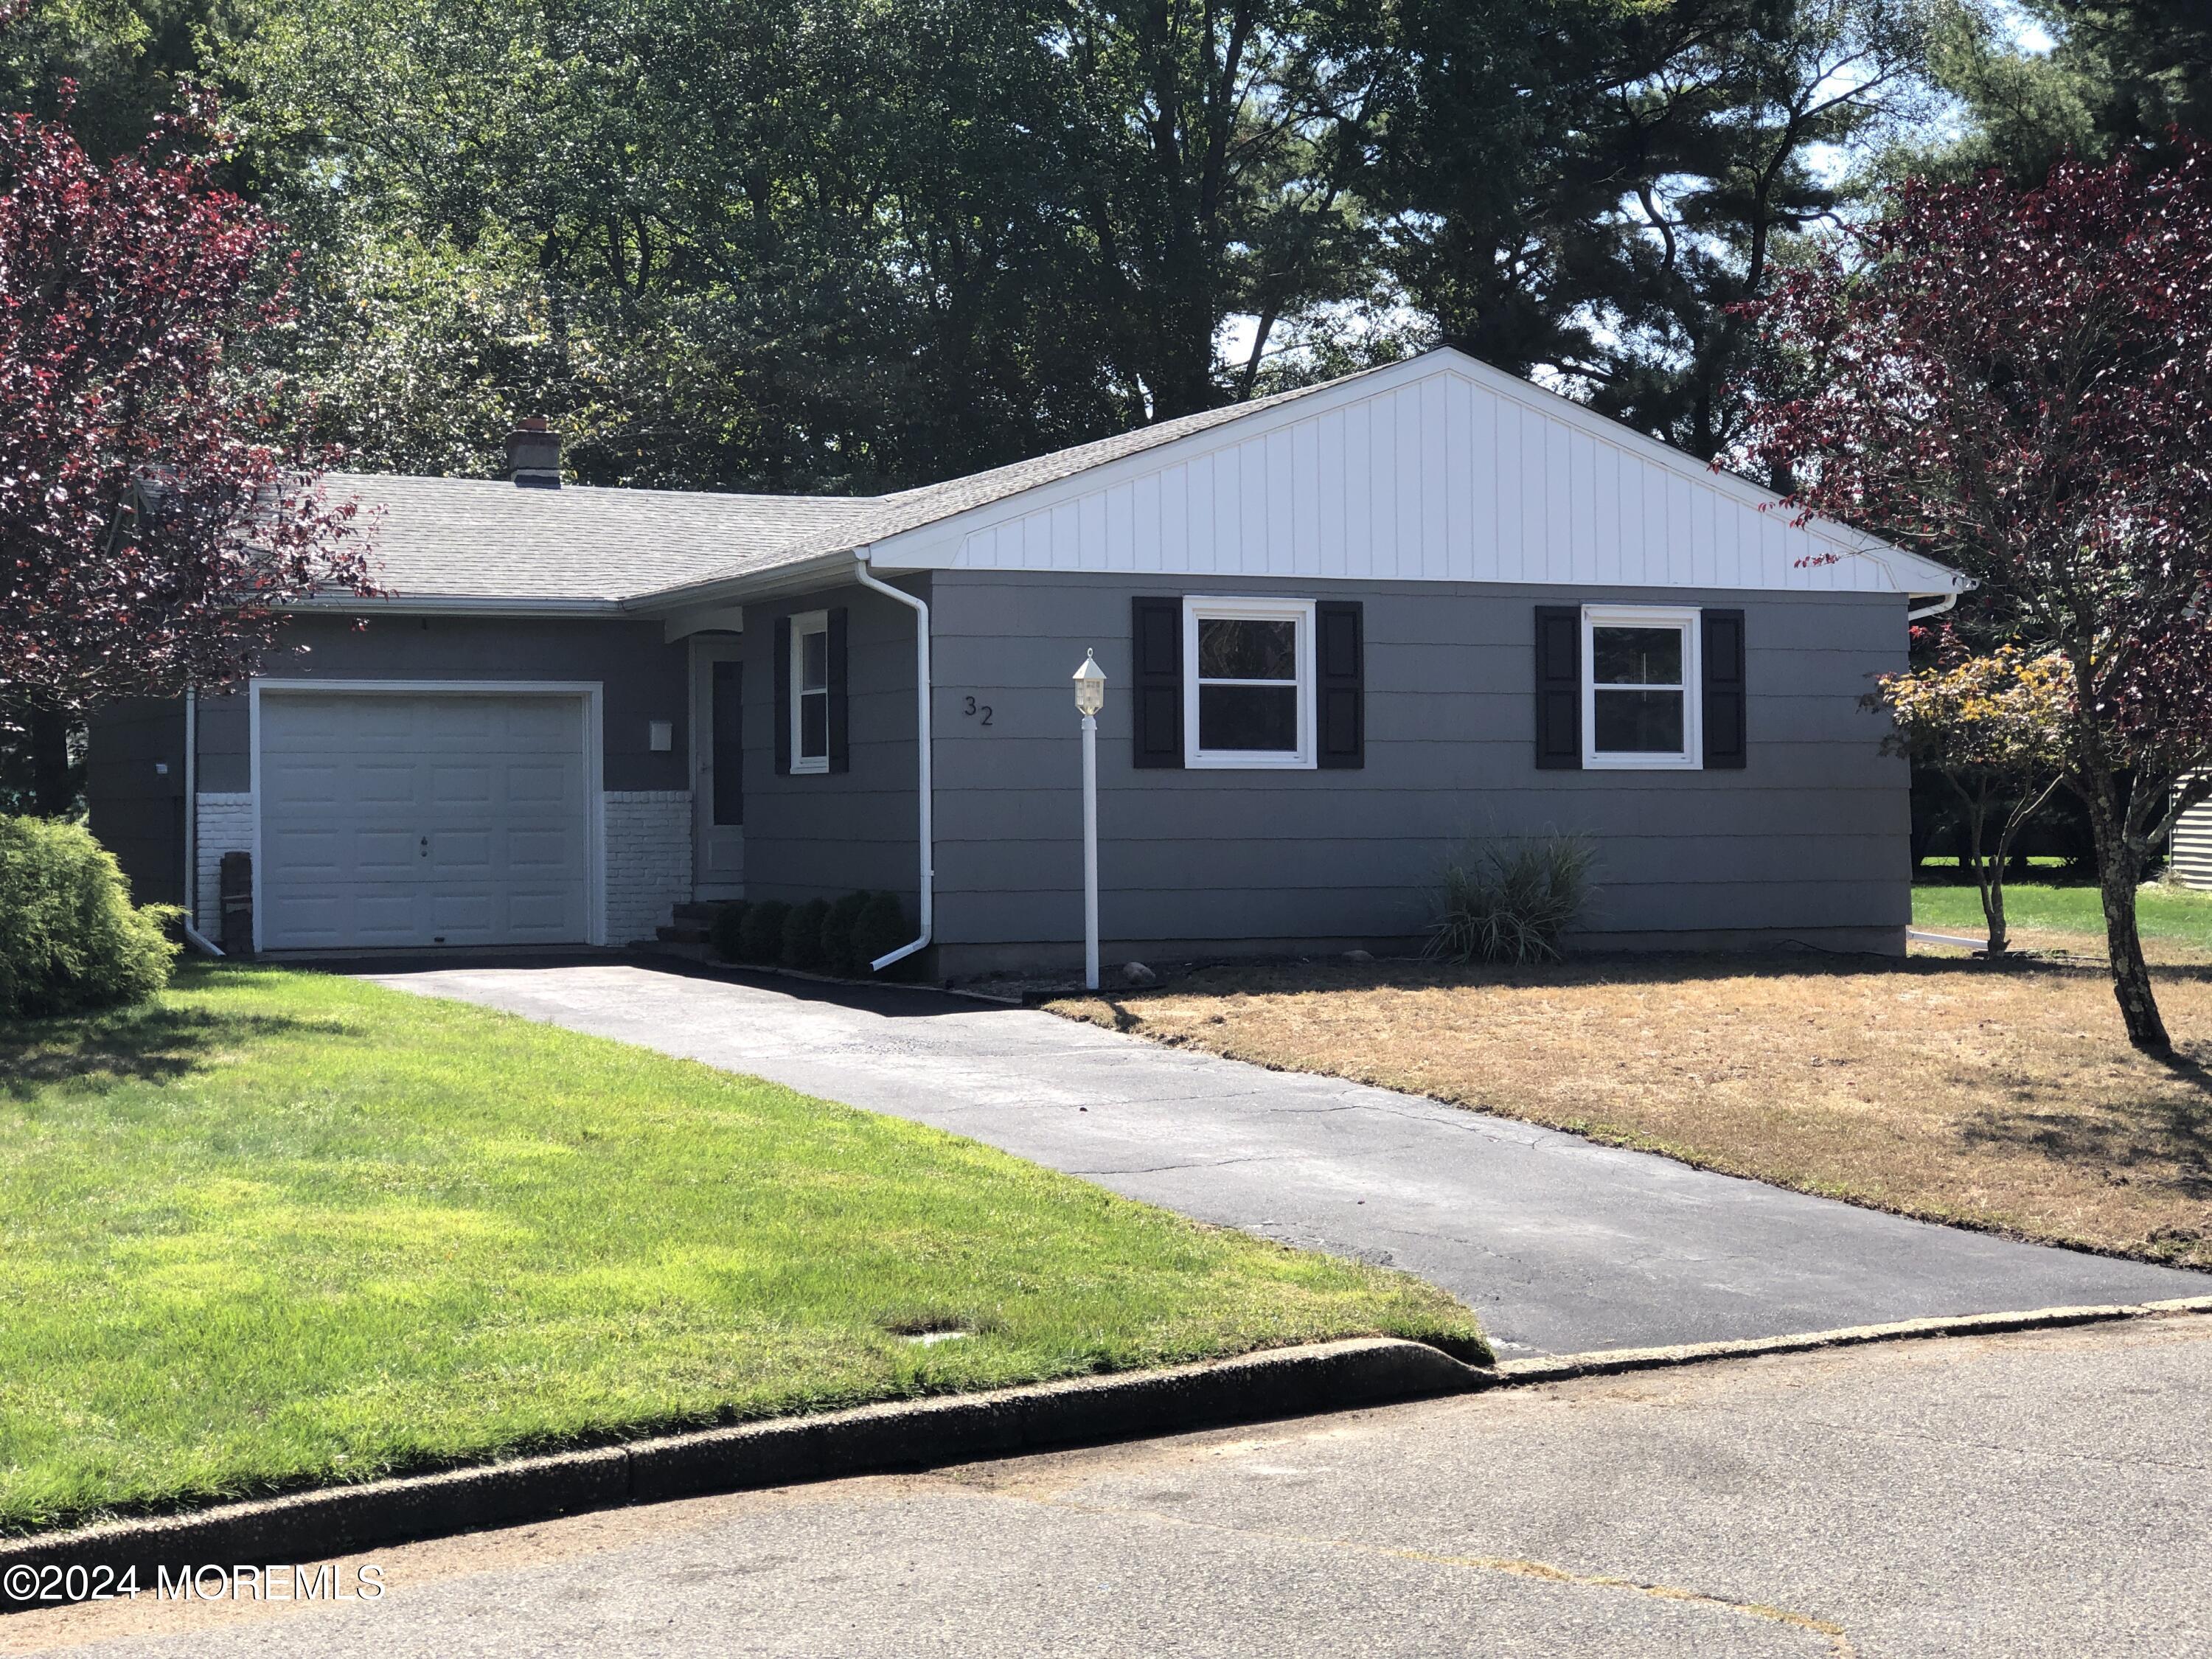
column 718, row 772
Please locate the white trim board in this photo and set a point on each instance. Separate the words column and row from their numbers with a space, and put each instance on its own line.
column 592, row 693
column 1440, row 469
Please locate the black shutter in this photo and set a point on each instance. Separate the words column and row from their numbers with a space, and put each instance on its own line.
column 1559, row 687
column 783, row 697
column 1722, row 654
column 1339, row 660
column 1156, row 660
column 840, row 754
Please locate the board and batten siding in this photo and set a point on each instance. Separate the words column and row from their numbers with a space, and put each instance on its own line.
column 1809, row 842
column 1456, row 473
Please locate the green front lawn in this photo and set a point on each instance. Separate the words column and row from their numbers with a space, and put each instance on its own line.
column 282, row 1228
column 2176, row 913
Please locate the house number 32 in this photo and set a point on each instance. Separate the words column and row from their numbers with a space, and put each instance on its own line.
column 971, row 709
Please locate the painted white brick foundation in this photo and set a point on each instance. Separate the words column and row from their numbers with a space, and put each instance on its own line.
column 648, row 860
column 226, row 825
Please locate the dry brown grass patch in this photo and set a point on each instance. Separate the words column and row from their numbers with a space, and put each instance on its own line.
column 2003, row 1098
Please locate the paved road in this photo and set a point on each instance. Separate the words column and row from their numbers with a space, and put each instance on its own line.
column 1560, row 1245
column 2018, row 1495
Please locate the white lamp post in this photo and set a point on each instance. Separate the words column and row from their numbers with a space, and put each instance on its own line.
column 1090, row 698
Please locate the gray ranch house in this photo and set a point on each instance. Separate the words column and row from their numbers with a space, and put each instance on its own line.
column 1343, row 629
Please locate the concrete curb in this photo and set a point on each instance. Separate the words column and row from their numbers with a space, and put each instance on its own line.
column 905, row 1435
column 1613, row 1362
column 871, row 1439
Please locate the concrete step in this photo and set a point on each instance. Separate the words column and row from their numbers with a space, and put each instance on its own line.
column 680, row 934
column 692, row 911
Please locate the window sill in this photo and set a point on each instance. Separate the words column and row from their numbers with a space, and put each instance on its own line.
column 813, row 768
column 1247, row 762
column 1642, row 763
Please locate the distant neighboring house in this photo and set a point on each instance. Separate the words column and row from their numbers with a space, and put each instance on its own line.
column 1343, row 628
column 2189, row 856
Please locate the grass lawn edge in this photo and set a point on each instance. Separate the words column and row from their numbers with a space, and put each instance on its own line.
column 1164, row 1329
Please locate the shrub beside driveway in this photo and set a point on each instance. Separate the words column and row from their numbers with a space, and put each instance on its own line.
column 278, row 1228
column 2004, row 1098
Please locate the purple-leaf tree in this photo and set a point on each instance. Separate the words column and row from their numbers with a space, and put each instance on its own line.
column 2019, row 384
column 154, row 520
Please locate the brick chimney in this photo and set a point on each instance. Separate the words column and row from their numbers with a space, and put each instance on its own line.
column 533, row 455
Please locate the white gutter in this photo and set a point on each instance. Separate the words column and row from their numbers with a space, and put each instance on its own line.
column 921, row 699
column 1935, row 609
column 198, row 940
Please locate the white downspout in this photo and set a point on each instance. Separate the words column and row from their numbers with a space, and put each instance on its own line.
column 921, row 699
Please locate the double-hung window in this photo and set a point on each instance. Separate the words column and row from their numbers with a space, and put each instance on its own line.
column 1248, row 683
column 1640, row 677
column 809, row 691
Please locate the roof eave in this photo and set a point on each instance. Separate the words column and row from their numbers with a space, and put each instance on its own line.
column 458, row 604
column 770, row 582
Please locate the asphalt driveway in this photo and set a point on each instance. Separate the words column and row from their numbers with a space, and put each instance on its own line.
column 1561, row 1246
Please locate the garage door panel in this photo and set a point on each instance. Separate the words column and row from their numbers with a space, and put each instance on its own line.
column 536, row 918
column 413, row 819
column 537, row 785
column 538, row 856
column 469, row 913
column 460, row 853
column 314, row 918
column 375, row 784
column 319, row 855
column 462, row 787
column 304, row 784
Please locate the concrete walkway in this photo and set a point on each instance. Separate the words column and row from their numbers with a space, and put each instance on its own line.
column 1560, row 1245
column 2022, row 1496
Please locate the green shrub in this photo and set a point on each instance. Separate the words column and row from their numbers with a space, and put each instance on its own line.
column 726, row 934
column 1509, row 901
column 70, row 937
column 802, row 935
column 881, row 927
column 760, row 937
column 837, row 934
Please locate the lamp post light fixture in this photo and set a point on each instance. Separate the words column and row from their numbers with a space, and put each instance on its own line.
column 1090, row 698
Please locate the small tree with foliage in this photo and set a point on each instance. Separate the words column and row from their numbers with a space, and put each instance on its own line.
column 2019, row 384
column 152, row 519
column 1994, row 728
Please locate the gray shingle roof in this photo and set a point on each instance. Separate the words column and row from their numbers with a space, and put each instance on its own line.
column 487, row 538
column 482, row 538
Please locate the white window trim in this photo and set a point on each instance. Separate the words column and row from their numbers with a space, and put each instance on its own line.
column 804, row 623
column 1245, row 609
column 1689, row 619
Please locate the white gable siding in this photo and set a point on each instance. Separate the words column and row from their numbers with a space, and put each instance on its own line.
column 1448, row 472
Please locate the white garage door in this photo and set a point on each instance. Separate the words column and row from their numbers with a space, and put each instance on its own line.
column 410, row 819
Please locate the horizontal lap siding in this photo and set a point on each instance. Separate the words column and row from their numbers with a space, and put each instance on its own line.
column 822, row 834
column 642, row 676
column 134, row 809
column 1811, row 835
column 2190, row 857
